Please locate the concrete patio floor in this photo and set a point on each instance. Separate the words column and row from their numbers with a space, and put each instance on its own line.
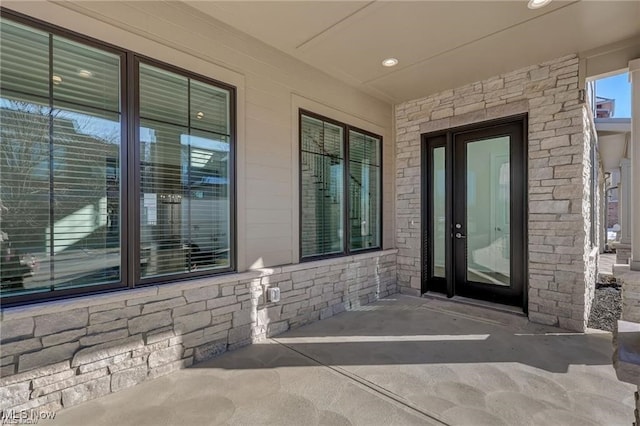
column 402, row 360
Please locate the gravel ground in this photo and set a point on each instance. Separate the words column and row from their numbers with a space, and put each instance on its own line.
column 607, row 304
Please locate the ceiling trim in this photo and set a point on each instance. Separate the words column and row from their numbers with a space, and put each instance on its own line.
column 332, row 26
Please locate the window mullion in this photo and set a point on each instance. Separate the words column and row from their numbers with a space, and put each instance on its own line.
column 51, row 176
column 188, row 197
column 131, row 239
column 347, row 201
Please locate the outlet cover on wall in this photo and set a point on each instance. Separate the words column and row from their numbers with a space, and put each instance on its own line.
column 273, row 294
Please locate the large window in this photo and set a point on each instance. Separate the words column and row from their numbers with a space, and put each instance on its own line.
column 340, row 169
column 85, row 129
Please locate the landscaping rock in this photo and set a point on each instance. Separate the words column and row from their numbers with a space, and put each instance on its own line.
column 607, row 306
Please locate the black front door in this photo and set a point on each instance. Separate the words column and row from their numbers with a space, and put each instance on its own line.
column 474, row 208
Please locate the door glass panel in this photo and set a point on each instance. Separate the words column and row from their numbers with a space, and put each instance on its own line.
column 487, row 227
column 438, row 210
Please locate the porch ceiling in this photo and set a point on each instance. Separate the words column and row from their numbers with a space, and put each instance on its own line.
column 440, row 44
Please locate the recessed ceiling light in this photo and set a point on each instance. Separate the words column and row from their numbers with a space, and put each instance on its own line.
column 56, row 79
column 390, row 62
column 537, row 4
column 200, row 115
column 85, row 73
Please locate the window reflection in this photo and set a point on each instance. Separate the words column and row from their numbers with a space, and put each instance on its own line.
column 488, row 215
column 439, row 213
column 61, row 181
column 69, row 236
column 322, row 187
column 364, row 190
column 336, row 193
column 60, row 156
column 184, row 171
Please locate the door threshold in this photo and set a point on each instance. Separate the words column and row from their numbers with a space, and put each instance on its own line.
column 508, row 309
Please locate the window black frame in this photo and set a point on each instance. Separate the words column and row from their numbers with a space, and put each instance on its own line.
column 130, row 276
column 346, row 235
column 139, row 280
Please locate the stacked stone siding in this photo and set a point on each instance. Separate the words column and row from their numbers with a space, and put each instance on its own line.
column 557, row 172
column 591, row 252
column 630, row 292
column 62, row 353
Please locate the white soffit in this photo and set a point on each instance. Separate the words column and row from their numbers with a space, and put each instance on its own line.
column 612, row 148
column 613, row 137
column 440, row 44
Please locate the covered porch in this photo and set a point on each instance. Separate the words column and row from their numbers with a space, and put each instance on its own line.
column 146, row 345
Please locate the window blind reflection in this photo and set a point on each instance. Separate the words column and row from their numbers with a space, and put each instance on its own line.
column 323, row 200
column 364, row 191
column 60, row 155
column 184, row 169
column 326, row 195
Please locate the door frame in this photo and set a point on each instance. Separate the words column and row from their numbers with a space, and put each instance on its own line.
column 519, row 205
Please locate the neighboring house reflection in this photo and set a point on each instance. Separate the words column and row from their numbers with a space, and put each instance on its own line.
column 81, row 169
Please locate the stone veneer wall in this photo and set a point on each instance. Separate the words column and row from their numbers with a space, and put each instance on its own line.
column 59, row 354
column 630, row 292
column 631, row 297
column 558, row 168
column 591, row 248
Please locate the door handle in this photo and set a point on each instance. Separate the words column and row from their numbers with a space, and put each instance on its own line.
column 460, row 236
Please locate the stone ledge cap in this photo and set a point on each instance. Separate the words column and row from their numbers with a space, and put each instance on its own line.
column 620, row 269
column 63, row 305
column 620, row 244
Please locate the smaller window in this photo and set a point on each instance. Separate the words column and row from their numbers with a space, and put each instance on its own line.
column 340, row 181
